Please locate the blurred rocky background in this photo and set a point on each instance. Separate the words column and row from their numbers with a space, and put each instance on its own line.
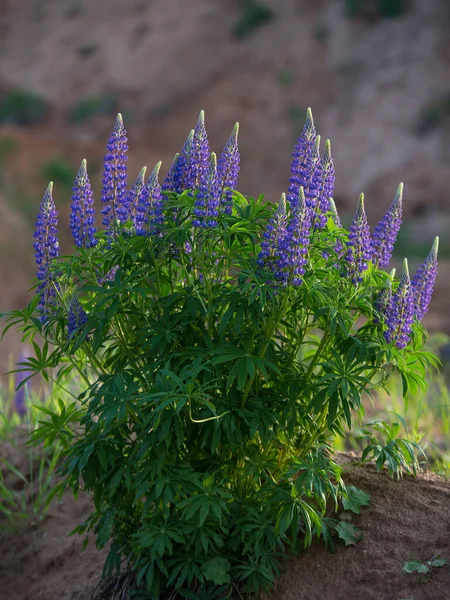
column 375, row 72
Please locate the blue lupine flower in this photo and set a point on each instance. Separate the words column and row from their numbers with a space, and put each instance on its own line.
column 110, row 275
column 297, row 240
column 400, row 313
column 76, row 316
column 133, row 197
column 305, row 163
column 207, row 198
column 359, row 245
column 198, row 163
column 385, row 233
column 326, row 189
column 274, row 234
column 228, row 170
column 114, row 195
column 423, row 282
column 169, row 180
column 46, row 249
column 150, row 207
column 82, row 217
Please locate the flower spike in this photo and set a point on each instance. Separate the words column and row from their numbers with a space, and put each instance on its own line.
column 423, row 281
column 386, row 231
column 82, row 217
column 303, row 160
column 115, row 177
column 149, row 215
column 46, row 249
column 228, row 169
column 399, row 315
column 359, row 246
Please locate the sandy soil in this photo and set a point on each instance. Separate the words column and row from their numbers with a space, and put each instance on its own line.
column 406, row 520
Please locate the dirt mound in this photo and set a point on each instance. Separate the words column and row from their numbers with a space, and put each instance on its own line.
column 406, row 520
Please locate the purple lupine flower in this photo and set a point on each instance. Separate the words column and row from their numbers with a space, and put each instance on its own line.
column 400, row 313
column 150, row 207
column 326, row 189
column 228, row 170
column 359, row 245
column 82, row 217
column 207, row 198
column 385, row 233
column 110, row 275
column 297, row 240
column 274, row 233
column 169, row 180
column 115, row 177
column 423, row 282
column 133, row 197
column 46, row 248
column 182, row 173
column 198, row 163
column 76, row 316
column 304, row 161
column 383, row 302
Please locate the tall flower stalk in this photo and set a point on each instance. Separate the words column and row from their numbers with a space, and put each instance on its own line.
column 82, row 217
column 228, row 170
column 198, row 159
column 359, row 245
column 149, row 215
column 385, row 233
column 46, row 249
column 134, row 197
column 114, row 194
column 326, row 189
column 400, row 311
column 423, row 281
column 305, row 161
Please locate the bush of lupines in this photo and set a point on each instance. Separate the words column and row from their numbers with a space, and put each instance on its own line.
column 222, row 342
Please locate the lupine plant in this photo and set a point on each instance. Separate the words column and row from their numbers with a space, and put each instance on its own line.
column 222, row 342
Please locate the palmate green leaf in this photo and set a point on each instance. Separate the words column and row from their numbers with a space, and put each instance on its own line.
column 217, row 570
column 415, row 566
column 355, row 499
column 348, row 533
column 437, row 562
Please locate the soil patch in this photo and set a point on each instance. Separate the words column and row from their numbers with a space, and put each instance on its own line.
column 406, row 520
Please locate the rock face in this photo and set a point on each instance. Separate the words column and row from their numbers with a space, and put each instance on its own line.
column 377, row 87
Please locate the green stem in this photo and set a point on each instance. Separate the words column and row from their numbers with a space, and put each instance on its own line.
column 317, row 355
column 270, row 332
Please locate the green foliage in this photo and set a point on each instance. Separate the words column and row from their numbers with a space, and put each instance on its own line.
column 22, row 107
column 397, row 454
column 28, row 483
column 90, row 107
column 210, row 396
column 355, row 499
column 416, row 566
column 59, row 171
column 373, row 9
column 253, row 14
